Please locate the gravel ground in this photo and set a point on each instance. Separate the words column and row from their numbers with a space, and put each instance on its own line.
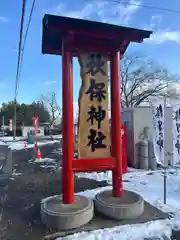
column 20, row 200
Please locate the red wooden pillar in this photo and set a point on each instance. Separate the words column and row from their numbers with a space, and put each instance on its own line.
column 116, row 124
column 68, row 131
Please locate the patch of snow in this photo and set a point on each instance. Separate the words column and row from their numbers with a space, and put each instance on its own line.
column 48, row 198
column 14, row 173
column 44, row 160
column 46, row 163
column 53, row 136
column 10, row 138
column 92, row 192
column 57, row 151
column 160, row 229
column 3, row 143
column 12, row 179
column 98, row 176
column 20, row 145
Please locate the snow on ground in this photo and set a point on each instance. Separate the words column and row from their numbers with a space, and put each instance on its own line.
column 47, row 163
column 10, row 138
column 14, row 173
column 20, row 145
column 53, row 136
column 57, row 151
column 150, row 185
column 160, row 229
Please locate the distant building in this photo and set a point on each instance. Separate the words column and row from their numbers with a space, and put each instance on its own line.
column 30, row 129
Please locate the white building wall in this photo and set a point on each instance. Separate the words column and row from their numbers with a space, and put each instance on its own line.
column 138, row 118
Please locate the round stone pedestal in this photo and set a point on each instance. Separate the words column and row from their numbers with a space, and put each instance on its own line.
column 129, row 206
column 55, row 214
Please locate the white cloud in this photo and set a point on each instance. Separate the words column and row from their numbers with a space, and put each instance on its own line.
column 104, row 11
column 155, row 22
column 47, row 83
column 3, row 19
column 160, row 35
column 164, row 36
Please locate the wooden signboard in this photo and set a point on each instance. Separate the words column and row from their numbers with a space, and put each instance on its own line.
column 93, row 122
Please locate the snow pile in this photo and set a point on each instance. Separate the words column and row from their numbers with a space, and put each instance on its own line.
column 160, row 229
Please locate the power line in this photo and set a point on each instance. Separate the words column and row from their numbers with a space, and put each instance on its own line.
column 25, row 38
column 18, row 62
column 20, row 43
column 145, row 6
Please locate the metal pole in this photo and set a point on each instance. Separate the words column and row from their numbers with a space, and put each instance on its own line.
column 68, row 135
column 165, row 163
column 116, row 146
column 3, row 125
column 165, row 184
column 14, row 123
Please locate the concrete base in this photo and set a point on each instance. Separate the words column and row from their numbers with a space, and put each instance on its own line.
column 129, row 206
column 55, row 214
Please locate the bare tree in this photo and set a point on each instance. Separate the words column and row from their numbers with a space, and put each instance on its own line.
column 50, row 101
column 141, row 79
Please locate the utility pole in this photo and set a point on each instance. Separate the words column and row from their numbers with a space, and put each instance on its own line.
column 165, row 159
column 3, row 125
column 18, row 66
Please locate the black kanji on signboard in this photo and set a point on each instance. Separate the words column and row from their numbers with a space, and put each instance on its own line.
column 95, row 64
column 160, row 125
column 96, row 91
column 98, row 115
column 160, row 141
column 177, row 114
column 177, row 145
column 159, row 111
column 96, row 140
column 178, row 127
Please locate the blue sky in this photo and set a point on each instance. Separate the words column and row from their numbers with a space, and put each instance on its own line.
column 42, row 73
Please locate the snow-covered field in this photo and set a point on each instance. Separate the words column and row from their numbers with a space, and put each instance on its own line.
column 150, row 184
column 156, row 230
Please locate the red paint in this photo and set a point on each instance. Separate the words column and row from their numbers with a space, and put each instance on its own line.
column 116, row 146
column 68, row 134
column 124, row 154
column 90, row 165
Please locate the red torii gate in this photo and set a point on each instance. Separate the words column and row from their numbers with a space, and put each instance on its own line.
column 69, row 37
